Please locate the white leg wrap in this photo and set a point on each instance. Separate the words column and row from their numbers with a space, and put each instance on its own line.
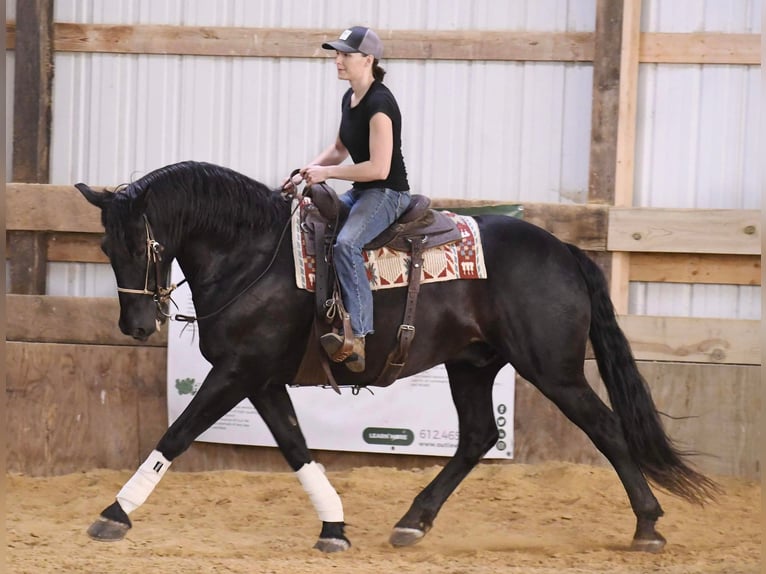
column 323, row 496
column 142, row 483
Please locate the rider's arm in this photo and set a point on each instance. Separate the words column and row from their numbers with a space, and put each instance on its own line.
column 334, row 154
column 376, row 168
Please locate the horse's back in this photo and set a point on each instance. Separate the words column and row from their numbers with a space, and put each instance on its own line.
column 525, row 256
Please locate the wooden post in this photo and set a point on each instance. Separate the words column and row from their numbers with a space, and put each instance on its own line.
column 33, row 77
column 606, row 88
column 28, row 262
column 626, row 142
column 33, row 91
column 615, row 75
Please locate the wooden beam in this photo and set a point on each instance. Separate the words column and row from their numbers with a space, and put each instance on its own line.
column 656, row 47
column 76, row 320
column 627, row 105
column 93, row 321
column 74, row 227
column 650, row 267
column 32, row 207
column 700, row 269
column 605, row 104
column 76, row 248
column 712, row 406
column 735, row 231
column 610, row 159
column 693, row 340
column 33, row 87
column 72, row 407
column 712, row 409
column 306, row 43
column 583, row 225
column 65, row 247
column 700, row 48
column 28, row 264
column 56, row 208
column 626, row 143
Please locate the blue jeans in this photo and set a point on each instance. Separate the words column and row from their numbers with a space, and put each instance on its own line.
column 372, row 211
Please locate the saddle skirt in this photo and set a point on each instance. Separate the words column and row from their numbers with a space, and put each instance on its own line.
column 388, row 268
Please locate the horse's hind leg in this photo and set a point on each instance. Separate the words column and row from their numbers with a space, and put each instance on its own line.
column 472, row 393
column 274, row 405
column 583, row 407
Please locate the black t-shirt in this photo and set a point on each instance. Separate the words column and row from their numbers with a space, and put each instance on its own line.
column 355, row 133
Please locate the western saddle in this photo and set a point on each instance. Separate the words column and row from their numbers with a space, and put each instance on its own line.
column 417, row 229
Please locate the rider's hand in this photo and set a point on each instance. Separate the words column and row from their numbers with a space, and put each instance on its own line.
column 292, row 181
column 315, row 174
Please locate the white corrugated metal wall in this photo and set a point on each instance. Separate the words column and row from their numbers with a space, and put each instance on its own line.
column 497, row 130
column 697, row 145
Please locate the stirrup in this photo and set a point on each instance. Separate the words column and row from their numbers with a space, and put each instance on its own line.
column 337, row 347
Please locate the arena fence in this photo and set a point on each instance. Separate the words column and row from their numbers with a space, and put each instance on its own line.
column 82, row 395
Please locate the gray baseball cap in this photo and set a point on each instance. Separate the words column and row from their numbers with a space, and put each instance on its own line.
column 357, row 39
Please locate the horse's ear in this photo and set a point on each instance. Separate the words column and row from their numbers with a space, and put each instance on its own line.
column 97, row 198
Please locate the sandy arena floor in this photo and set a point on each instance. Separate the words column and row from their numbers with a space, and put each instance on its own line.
column 532, row 519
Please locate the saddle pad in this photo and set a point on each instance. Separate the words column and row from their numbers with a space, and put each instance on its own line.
column 387, row 268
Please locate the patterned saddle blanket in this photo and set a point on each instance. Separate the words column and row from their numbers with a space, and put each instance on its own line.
column 387, row 268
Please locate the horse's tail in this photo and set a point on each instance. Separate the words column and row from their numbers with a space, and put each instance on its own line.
column 656, row 455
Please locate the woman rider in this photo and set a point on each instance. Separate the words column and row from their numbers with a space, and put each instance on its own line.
column 370, row 131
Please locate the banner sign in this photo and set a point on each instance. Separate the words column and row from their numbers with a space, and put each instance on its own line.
column 415, row 415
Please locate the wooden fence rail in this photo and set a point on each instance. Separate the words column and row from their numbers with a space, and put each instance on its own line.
column 93, row 321
column 505, row 45
column 689, row 246
column 668, row 245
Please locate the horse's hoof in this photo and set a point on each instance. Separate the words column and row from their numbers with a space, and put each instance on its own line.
column 107, row 530
column 405, row 536
column 328, row 545
column 653, row 546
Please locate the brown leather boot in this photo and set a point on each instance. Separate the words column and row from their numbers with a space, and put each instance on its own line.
column 354, row 361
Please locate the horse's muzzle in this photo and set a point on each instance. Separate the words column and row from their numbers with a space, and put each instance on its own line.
column 141, row 334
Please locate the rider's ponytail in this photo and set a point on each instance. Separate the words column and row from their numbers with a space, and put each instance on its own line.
column 377, row 72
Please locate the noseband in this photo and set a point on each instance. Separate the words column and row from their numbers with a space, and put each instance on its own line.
column 160, row 294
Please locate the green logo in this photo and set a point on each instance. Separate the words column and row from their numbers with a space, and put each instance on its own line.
column 186, row 386
column 378, row 435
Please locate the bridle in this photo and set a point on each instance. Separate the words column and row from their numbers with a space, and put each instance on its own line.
column 161, row 295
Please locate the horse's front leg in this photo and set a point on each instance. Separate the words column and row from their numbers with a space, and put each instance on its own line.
column 216, row 397
column 276, row 409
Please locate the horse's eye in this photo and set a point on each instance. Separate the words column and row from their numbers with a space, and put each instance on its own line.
column 138, row 251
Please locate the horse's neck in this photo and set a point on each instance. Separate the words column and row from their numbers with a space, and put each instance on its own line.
column 216, row 266
column 216, row 273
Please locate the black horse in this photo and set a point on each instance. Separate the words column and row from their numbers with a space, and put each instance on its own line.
column 541, row 302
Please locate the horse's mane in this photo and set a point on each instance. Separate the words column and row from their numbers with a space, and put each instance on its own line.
column 197, row 197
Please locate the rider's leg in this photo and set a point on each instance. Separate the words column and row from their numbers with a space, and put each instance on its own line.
column 372, row 211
